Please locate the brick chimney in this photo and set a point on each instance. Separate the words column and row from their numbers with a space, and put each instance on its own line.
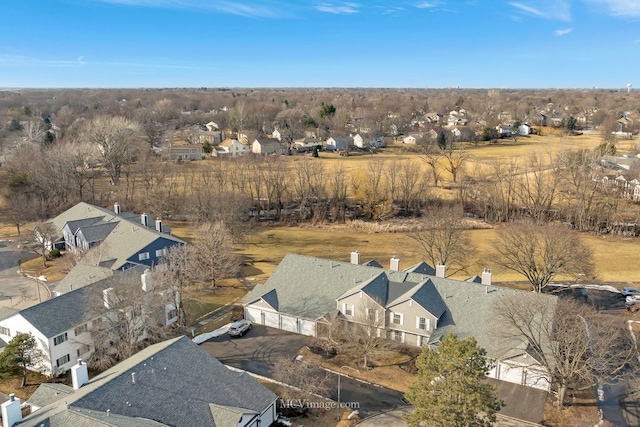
column 79, row 374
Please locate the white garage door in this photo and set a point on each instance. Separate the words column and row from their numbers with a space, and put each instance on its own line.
column 252, row 314
column 511, row 373
column 261, row 317
column 289, row 323
column 307, row 327
column 270, row 319
column 536, row 378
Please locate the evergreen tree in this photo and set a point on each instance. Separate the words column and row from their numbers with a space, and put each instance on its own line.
column 20, row 354
column 449, row 390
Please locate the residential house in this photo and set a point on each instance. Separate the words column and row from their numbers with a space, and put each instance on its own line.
column 63, row 325
column 124, row 238
column 306, row 144
column 414, row 306
column 524, row 129
column 276, row 135
column 434, row 118
column 412, row 138
column 263, row 145
column 231, row 148
column 339, row 143
column 173, row 383
column 368, row 141
column 185, row 152
column 504, row 131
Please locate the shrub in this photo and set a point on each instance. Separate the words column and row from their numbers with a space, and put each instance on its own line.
column 55, row 253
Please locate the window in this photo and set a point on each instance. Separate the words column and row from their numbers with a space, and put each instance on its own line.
column 372, row 314
column 143, row 256
column 422, row 323
column 64, row 359
column 422, row 341
column 396, row 318
column 397, row 336
column 5, row 331
column 161, row 252
column 347, row 309
column 60, row 339
column 173, row 314
column 80, row 329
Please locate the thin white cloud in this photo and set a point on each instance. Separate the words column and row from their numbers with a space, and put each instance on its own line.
column 620, row 8
column 426, row 5
column 561, row 33
column 248, row 9
column 559, row 10
column 19, row 60
column 339, row 9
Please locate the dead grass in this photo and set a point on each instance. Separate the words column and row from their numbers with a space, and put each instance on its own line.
column 582, row 412
column 56, row 269
column 388, row 375
column 614, row 257
column 12, row 385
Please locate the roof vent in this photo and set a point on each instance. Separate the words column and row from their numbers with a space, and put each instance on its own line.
column 133, row 377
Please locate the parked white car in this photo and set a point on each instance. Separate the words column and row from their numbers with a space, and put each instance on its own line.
column 239, row 328
column 629, row 291
column 632, row 299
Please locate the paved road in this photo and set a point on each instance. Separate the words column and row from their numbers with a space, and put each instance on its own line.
column 258, row 350
column 11, row 282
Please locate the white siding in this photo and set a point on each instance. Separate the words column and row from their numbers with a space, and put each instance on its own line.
column 308, row 328
column 289, row 323
column 253, row 314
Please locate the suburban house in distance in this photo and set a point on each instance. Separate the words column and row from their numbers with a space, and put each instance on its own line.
column 262, row 145
column 124, row 238
column 173, row 383
column 185, row 152
column 64, row 325
column 417, row 306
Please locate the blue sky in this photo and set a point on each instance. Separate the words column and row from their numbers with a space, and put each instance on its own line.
column 289, row 43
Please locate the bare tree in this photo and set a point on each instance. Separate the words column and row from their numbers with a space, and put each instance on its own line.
column 578, row 346
column 542, row 253
column 442, row 241
column 309, row 380
column 214, row 257
column 126, row 315
column 42, row 239
column 366, row 335
column 116, row 139
column 455, row 159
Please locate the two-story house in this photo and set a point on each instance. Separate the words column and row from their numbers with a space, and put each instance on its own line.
column 125, row 239
column 415, row 306
column 64, row 326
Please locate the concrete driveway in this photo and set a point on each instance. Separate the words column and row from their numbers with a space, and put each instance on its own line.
column 259, row 348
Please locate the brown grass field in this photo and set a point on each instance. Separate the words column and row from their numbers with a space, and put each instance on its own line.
column 265, row 247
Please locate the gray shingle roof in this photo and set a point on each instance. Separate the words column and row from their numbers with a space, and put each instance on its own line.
column 422, row 268
column 127, row 238
column 308, row 288
column 79, row 276
column 71, row 309
column 48, row 393
column 175, row 384
column 59, row 314
column 97, row 232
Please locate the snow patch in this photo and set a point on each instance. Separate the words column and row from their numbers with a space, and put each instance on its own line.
column 208, row 335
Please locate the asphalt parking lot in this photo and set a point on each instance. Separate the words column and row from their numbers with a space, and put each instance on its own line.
column 257, row 350
column 260, row 347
